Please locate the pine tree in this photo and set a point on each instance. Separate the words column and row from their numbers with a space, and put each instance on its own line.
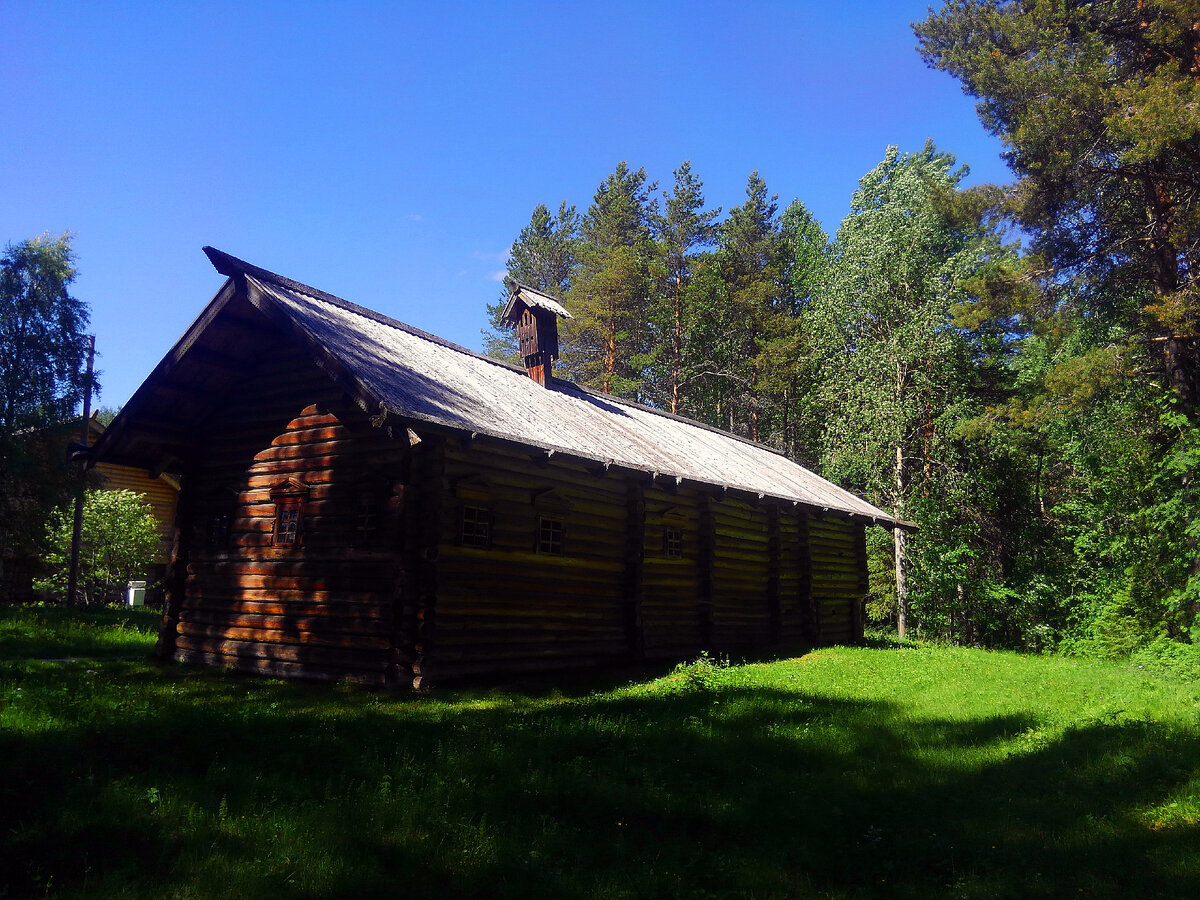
column 607, row 345
column 1099, row 108
column 684, row 230
column 543, row 257
column 740, row 309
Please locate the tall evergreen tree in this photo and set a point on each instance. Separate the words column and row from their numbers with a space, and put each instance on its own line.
column 543, row 257
column 1099, row 108
column 740, row 309
column 684, row 230
column 606, row 345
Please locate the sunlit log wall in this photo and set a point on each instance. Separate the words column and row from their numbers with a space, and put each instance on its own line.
column 321, row 607
column 426, row 557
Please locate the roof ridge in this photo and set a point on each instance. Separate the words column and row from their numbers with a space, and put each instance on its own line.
column 230, row 265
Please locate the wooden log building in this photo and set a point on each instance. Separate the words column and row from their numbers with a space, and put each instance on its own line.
column 362, row 500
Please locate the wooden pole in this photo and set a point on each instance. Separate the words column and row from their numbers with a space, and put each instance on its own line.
column 77, row 530
column 635, row 568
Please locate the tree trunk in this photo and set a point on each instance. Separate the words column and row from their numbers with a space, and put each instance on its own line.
column 754, row 401
column 610, row 355
column 677, row 345
column 899, row 539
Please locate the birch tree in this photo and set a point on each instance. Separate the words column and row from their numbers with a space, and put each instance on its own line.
column 894, row 372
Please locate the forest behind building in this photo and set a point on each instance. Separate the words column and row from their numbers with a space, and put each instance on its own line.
column 1014, row 368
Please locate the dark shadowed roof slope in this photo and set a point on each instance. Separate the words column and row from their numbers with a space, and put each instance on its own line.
column 420, row 378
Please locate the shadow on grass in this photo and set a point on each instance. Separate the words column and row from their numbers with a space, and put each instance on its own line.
column 163, row 782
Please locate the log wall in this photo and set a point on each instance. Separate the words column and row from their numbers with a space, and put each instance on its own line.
column 385, row 582
column 671, row 607
column 837, row 579
column 510, row 605
column 796, row 611
column 322, row 607
column 648, row 569
column 741, row 575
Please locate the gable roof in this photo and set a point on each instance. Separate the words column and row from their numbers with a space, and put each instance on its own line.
column 532, row 298
column 395, row 370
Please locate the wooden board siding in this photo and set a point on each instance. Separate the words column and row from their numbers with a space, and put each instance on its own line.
column 162, row 497
column 508, row 606
column 323, row 607
column 836, row 587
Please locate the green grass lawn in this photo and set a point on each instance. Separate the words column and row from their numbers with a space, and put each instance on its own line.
column 922, row 772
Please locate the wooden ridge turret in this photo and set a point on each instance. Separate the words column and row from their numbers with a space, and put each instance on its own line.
column 535, row 316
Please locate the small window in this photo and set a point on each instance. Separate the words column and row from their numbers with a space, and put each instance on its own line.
column 367, row 518
column 287, row 523
column 673, row 542
column 476, row 526
column 289, row 497
column 550, row 535
column 218, row 531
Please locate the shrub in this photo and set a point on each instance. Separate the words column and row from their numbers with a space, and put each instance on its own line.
column 701, row 674
column 119, row 543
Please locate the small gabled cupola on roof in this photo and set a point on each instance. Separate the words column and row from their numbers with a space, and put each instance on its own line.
column 535, row 316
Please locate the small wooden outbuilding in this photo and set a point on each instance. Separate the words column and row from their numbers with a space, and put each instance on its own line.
column 362, row 500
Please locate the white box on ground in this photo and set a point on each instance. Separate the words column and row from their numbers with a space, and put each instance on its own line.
column 135, row 593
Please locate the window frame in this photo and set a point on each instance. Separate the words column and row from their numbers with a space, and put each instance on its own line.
column 556, row 543
column 673, row 541
column 289, row 497
column 483, row 519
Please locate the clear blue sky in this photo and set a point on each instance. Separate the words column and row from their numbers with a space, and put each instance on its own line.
column 390, row 152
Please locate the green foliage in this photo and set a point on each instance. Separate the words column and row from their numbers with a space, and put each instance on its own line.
column 1096, row 103
column 683, row 231
column 896, row 380
column 42, row 351
column 1170, row 658
column 42, row 339
column 701, row 674
column 607, row 343
column 915, row 771
column 119, row 543
column 543, row 257
column 740, row 349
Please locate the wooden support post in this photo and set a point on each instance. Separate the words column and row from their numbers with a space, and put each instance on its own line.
column 774, row 610
column 81, row 489
column 707, row 560
column 429, row 466
column 402, row 508
column 635, row 564
column 810, row 615
column 858, row 622
column 176, row 577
